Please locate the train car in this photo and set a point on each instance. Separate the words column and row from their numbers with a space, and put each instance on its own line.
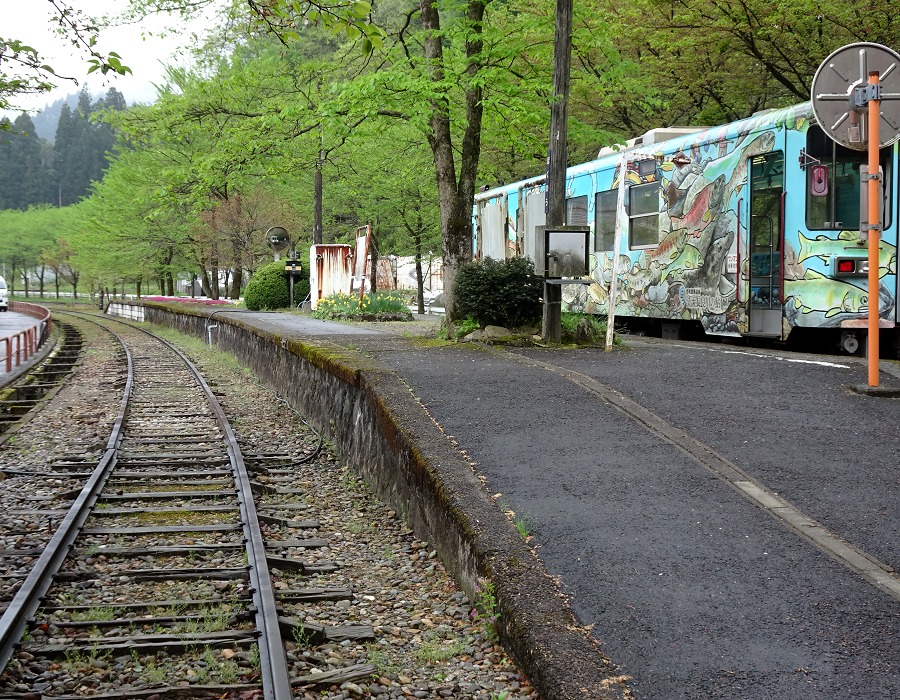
column 751, row 229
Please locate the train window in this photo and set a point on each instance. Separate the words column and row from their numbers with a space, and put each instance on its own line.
column 605, row 219
column 643, row 215
column 577, row 211
column 839, row 207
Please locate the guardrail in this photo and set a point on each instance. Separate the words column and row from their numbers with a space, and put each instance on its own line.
column 27, row 342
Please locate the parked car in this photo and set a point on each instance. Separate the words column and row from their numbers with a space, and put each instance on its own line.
column 4, row 296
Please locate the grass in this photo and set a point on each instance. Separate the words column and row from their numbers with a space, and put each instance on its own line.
column 523, row 527
column 100, row 613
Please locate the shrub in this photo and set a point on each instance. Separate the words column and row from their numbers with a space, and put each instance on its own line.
column 268, row 288
column 499, row 292
column 382, row 306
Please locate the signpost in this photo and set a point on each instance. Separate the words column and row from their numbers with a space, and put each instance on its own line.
column 278, row 240
column 847, row 95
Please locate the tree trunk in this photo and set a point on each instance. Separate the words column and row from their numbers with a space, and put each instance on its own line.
column 420, row 281
column 455, row 197
column 138, row 285
column 204, row 282
column 215, row 289
column 551, row 330
column 170, row 284
column 236, row 283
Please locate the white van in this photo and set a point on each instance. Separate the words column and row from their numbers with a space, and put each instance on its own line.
column 4, row 296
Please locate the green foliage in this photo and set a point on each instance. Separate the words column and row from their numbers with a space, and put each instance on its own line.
column 583, row 328
column 487, row 610
column 382, row 306
column 499, row 292
column 466, row 326
column 268, row 288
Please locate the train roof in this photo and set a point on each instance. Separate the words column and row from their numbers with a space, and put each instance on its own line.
column 691, row 136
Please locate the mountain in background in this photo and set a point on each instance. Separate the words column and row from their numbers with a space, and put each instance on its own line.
column 46, row 120
column 34, row 171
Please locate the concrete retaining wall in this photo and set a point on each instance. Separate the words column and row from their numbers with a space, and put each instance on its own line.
column 384, row 434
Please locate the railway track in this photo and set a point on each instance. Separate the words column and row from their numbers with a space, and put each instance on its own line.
column 155, row 598
column 170, row 509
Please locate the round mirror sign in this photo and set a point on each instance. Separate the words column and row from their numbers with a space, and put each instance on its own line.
column 277, row 238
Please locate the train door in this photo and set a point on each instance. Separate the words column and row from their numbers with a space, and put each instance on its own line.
column 766, row 240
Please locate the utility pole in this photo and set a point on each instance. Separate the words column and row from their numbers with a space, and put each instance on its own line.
column 317, row 199
column 557, row 158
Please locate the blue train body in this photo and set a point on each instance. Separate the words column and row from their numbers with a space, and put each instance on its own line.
column 750, row 229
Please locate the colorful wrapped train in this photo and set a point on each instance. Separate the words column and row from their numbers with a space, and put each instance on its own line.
column 751, row 229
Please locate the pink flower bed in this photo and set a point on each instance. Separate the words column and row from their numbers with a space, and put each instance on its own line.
column 188, row 300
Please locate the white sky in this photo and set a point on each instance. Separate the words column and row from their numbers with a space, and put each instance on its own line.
column 31, row 22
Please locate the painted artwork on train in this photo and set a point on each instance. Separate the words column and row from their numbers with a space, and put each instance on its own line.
column 708, row 198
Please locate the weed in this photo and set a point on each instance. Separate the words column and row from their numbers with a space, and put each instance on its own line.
column 356, row 527
column 466, row 326
column 435, row 652
column 302, row 636
column 382, row 659
column 253, row 657
column 486, row 611
column 75, row 659
column 154, row 673
column 216, row 619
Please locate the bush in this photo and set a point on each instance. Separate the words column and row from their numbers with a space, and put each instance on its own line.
column 499, row 292
column 268, row 289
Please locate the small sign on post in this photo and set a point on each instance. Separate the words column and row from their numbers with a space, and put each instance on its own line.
column 566, row 257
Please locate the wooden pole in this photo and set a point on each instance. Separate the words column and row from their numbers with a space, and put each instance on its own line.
column 551, row 330
column 874, row 230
